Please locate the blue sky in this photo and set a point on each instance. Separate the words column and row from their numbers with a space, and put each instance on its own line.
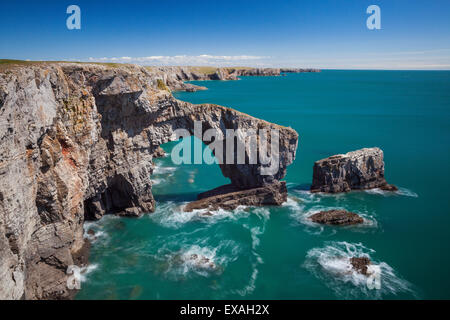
column 320, row 33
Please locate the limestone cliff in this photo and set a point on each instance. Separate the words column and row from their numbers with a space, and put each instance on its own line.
column 77, row 142
column 175, row 77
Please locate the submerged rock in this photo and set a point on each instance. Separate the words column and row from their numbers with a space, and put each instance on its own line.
column 360, row 264
column 357, row 170
column 229, row 197
column 336, row 217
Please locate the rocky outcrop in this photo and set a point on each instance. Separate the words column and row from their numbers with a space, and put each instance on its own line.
column 336, row 217
column 361, row 265
column 229, row 197
column 175, row 77
column 159, row 153
column 357, row 170
column 77, row 142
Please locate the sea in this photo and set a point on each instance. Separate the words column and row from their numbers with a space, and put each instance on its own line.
column 276, row 252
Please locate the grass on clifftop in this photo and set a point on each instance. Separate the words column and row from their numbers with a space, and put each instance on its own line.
column 207, row 70
column 4, row 63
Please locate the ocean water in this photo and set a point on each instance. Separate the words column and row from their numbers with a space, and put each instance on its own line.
column 275, row 252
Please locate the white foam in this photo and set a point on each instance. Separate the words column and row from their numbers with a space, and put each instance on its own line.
column 197, row 259
column 156, row 181
column 401, row 191
column 97, row 234
column 331, row 264
column 163, row 170
column 407, row 193
column 301, row 213
column 255, row 233
column 85, row 271
column 172, row 215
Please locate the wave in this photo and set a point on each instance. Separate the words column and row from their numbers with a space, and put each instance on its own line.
column 93, row 231
column 255, row 233
column 157, row 181
column 172, row 215
column 158, row 170
column 331, row 264
column 401, row 191
column 301, row 214
column 86, row 271
column 190, row 260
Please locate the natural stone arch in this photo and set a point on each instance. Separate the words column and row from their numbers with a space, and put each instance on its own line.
column 151, row 117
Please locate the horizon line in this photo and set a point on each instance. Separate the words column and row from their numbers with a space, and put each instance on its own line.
column 12, row 61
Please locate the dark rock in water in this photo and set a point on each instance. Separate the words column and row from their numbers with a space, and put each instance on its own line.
column 360, row 264
column 336, row 217
column 159, row 153
column 357, row 170
column 389, row 187
column 229, row 197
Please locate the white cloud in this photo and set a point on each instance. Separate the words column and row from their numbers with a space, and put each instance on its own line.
column 204, row 59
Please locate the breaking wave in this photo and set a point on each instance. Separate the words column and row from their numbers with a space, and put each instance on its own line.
column 172, row 215
column 195, row 259
column 331, row 264
column 401, row 192
column 301, row 214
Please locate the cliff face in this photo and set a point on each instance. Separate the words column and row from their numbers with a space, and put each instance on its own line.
column 175, row 77
column 77, row 142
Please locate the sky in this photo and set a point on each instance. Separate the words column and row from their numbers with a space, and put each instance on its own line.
column 326, row 34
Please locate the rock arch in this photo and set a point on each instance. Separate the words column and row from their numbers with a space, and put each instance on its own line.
column 143, row 118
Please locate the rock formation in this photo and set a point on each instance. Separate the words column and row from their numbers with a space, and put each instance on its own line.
column 175, row 77
column 77, row 142
column 229, row 197
column 336, row 217
column 357, row 170
column 360, row 264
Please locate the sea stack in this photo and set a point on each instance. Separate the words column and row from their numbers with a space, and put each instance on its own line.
column 357, row 170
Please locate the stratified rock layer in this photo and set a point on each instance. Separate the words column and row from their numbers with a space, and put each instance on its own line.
column 336, row 217
column 357, row 170
column 77, row 142
column 229, row 197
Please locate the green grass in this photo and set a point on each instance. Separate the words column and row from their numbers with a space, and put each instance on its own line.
column 162, row 85
column 12, row 62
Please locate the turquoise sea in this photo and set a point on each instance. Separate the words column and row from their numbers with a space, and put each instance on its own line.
column 274, row 252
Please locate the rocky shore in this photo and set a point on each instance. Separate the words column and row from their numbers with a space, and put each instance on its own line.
column 77, row 142
column 175, row 77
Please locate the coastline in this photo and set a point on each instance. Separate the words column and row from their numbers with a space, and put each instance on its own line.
column 77, row 174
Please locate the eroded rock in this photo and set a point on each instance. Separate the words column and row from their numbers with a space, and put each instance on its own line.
column 229, row 197
column 360, row 264
column 357, row 170
column 336, row 217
